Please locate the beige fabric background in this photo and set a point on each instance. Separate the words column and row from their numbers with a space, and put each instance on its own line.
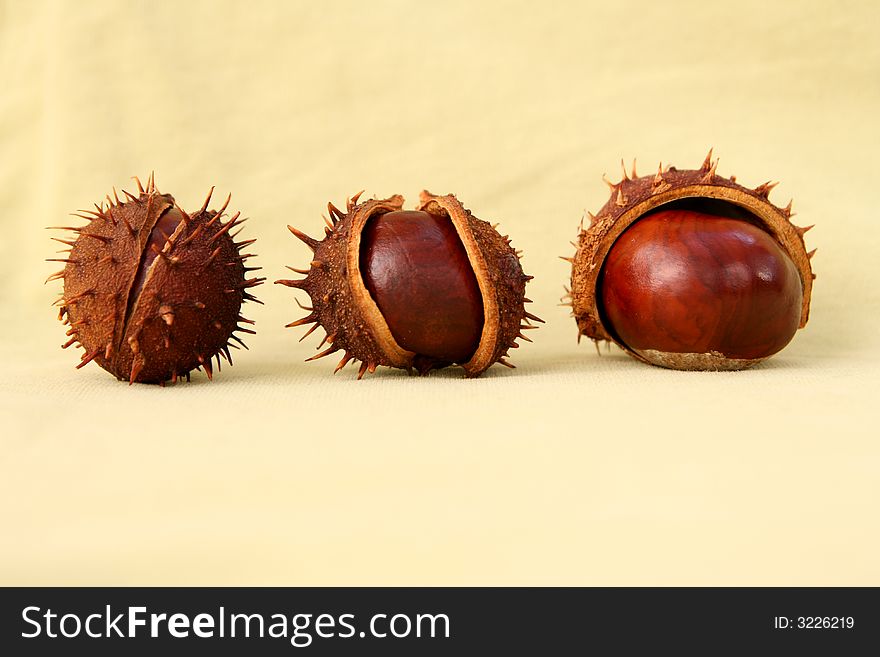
column 572, row 469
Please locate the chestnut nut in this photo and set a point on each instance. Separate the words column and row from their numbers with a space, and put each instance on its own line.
column 690, row 270
column 413, row 289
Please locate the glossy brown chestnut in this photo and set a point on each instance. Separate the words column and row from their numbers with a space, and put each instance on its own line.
column 683, row 282
column 417, row 270
column 416, row 290
column 687, row 269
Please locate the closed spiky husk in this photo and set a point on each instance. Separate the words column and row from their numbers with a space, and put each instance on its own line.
column 632, row 197
column 343, row 306
column 151, row 322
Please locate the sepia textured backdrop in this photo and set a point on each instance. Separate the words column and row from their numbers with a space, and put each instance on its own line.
column 571, row 469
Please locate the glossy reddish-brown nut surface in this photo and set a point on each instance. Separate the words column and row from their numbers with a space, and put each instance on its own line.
column 679, row 281
column 163, row 229
column 416, row 269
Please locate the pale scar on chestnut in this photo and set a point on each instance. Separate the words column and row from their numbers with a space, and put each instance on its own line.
column 417, row 290
column 152, row 292
column 689, row 270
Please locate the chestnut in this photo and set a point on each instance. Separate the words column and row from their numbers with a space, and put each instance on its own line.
column 152, row 292
column 407, row 257
column 688, row 270
column 414, row 289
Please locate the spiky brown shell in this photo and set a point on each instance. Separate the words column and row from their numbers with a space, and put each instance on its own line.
column 343, row 306
column 633, row 196
column 188, row 306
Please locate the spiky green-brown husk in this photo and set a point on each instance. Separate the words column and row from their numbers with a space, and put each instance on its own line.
column 187, row 309
column 342, row 305
column 633, row 196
